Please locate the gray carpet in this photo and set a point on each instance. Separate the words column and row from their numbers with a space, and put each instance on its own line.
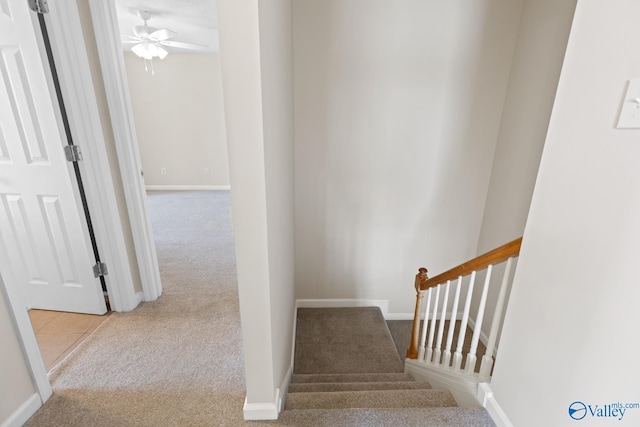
column 348, row 372
column 401, row 334
column 344, row 340
column 173, row 362
column 387, row 417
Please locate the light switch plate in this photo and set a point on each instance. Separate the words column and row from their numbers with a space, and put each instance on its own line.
column 630, row 112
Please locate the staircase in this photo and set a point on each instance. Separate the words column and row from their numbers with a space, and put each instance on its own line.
column 347, row 372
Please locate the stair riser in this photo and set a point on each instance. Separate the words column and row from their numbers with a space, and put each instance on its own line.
column 370, row 399
column 329, row 387
column 402, row 417
column 350, row 378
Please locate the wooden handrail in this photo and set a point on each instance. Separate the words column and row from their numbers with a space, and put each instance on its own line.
column 423, row 282
column 511, row 249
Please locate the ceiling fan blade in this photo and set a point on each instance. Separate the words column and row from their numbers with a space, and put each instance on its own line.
column 181, row 45
column 161, row 35
column 143, row 31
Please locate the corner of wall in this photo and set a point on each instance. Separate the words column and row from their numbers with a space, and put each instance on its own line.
column 284, row 387
column 262, row 410
column 488, row 401
column 25, row 411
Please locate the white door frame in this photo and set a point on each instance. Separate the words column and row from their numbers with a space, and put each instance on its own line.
column 65, row 30
column 72, row 63
column 27, row 338
column 106, row 30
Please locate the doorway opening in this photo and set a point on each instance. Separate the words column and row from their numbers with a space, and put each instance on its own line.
column 177, row 106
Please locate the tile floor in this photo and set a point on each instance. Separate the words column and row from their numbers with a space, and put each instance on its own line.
column 58, row 333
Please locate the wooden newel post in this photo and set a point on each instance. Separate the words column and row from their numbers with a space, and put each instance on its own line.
column 412, row 351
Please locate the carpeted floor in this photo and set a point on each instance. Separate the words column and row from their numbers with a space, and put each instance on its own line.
column 173, row 362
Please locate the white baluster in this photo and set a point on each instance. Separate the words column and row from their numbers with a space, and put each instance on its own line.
column 457, row 356
column 443, row 315
column 470, row 363
column 425, row 322
column 446, row 354
column 487, row 359
column 432, row 327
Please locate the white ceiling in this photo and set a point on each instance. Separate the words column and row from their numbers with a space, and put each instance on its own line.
column 194, row 21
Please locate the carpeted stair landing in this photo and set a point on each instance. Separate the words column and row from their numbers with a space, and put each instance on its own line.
column 347, row 372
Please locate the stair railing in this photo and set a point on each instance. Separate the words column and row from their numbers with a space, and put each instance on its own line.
column 428, row 344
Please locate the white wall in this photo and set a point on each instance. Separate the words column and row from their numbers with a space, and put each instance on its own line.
column 179, row 116
column 255, row 46
column 571, row 327
column 16, row 385
column 397, row 112
column 542, row 39
column 276, row 55
column 239, row 49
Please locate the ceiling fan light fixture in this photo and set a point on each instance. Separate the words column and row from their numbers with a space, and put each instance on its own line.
column 162, row 53
column 142, row 50
column 150, row 42
column 149, row 50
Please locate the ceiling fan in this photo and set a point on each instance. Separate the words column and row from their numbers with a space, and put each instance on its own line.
column 150, row 42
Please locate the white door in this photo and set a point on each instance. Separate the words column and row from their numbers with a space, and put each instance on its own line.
column 45, row 249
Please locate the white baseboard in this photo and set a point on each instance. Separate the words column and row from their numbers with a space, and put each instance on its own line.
column 447, row 316
column 186, row 187
column 262, row 410
column 383, row 304
column 284, row 387
column 25, row 411
column 399, row 316
column 409, row 316
column 139, row 298
column 488, row 401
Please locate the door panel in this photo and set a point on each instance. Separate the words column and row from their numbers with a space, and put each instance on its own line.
column 44, row 244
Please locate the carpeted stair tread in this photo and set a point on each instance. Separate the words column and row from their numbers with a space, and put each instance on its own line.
column 345, row 374
column 405, row 417
column 344, row 340
column 392, row 385
column 370, row 399
column 350, row 378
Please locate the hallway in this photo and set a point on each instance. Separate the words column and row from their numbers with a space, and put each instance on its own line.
column 174, row 361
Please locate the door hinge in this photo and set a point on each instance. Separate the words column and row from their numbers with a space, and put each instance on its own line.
column 39, row 6
column 100, row 269
column 72, row 153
